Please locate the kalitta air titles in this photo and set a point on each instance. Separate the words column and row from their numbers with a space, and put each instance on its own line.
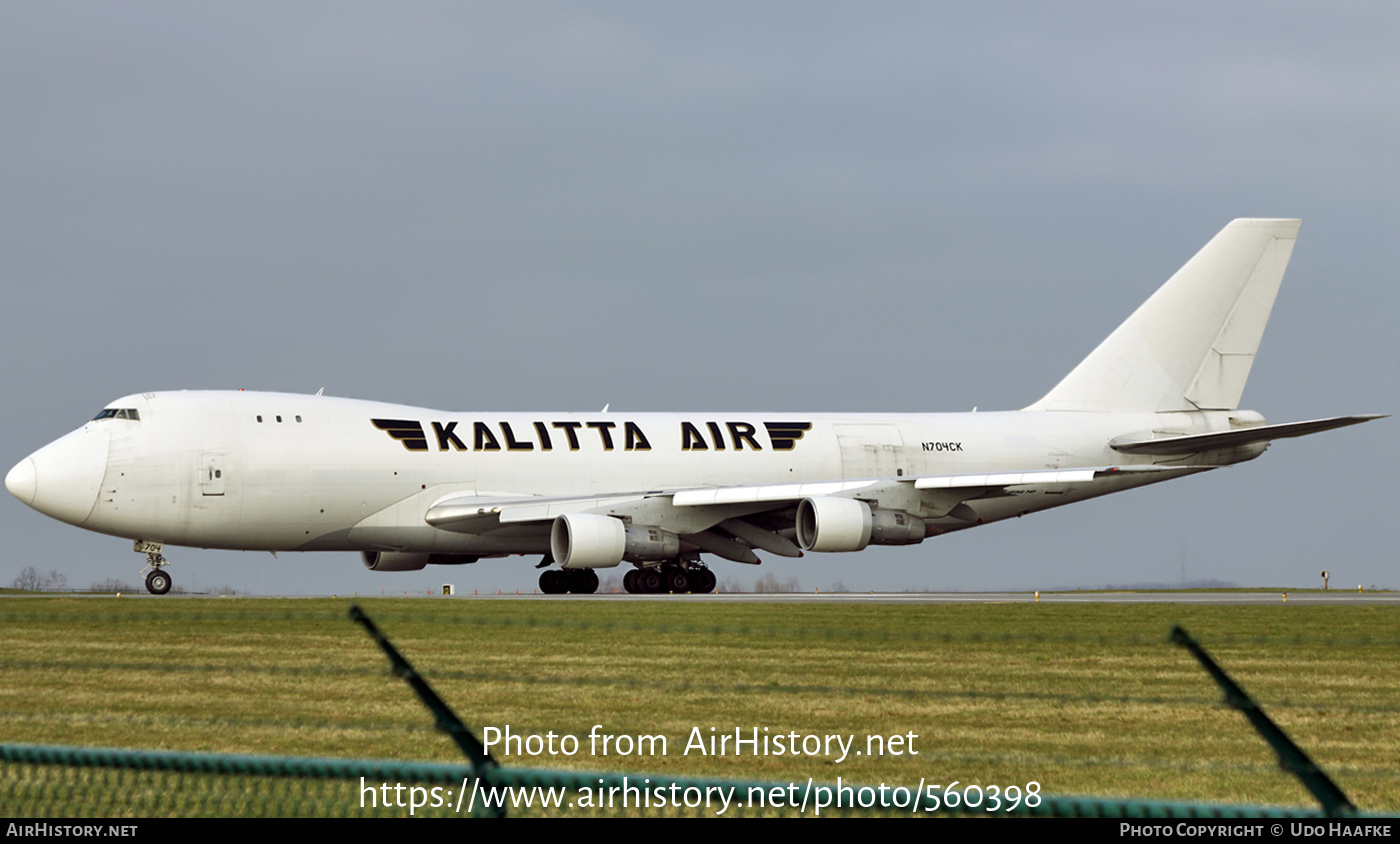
column 456, row 435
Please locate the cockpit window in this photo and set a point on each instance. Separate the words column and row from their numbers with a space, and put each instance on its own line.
column 118, row 413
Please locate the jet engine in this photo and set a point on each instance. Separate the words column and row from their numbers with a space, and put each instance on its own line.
column 401, row 561
column 393, row 561
column 589, row 541
column 826, row 523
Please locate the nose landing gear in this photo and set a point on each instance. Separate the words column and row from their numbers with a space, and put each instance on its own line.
column 157, row 582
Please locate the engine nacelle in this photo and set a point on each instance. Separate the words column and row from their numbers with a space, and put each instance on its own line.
column 589, row 541
column 400, row 561
column 844, row 524
column 650, row 543
column 895, row 527
column 393, row 560
column 833, row 524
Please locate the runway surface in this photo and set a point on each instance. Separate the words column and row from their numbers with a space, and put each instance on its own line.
column 1332, row 598
column 1218, row 598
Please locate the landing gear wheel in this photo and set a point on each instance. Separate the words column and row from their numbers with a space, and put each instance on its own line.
column 650, row 580
column 157, row 582
column 629, row 582
column 702, row 581
column 554, row 582
column 678, row 581
column 583, row 581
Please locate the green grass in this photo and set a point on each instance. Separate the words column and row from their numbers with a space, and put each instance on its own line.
column 1084, row 699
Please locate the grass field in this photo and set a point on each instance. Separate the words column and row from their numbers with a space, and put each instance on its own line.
column 1084, row 699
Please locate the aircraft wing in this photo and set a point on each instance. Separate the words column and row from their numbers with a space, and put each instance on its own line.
column 692, row 512
column 976, row 485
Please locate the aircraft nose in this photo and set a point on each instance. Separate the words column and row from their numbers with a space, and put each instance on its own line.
column 63, row 478
column 20, row 481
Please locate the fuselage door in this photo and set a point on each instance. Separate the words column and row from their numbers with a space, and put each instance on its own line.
column 211, row 473
column 870, row 450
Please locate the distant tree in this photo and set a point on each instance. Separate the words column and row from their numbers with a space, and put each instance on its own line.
column 112, row 585
column 29, row 580
column 56, row 580
column 769, row 584
column 730, row 585
column 229, row 590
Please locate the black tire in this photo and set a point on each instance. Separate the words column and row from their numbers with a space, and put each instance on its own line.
column 678, row 581
column 583, row 581
column 702, row 581
column 650, row 580
column 629, row 582
column 158, row 582
column 554, row 582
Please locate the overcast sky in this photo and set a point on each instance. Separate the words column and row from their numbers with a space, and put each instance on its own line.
column 775, row 206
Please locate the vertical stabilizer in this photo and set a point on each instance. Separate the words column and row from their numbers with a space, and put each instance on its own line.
column 1191, row 345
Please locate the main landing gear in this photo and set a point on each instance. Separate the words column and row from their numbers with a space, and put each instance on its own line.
column 671, row 577
column 577, row 581
column 157, row 582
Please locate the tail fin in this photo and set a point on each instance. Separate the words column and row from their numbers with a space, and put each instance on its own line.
column 1191, row 345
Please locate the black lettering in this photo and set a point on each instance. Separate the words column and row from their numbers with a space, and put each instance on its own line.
column 742, row 432
column 543, row 434
column 445, row 436
column 602, row 429
column 483, row 439
column 511, row 443
column 716, row 435
column 942, row 446
column 636, row 440
column 692, row 439
column 570, row 428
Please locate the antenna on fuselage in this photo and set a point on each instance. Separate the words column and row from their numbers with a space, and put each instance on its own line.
column 320, row 391
column 605, row 407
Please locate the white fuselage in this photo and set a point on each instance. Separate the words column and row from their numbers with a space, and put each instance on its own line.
column 276, row 471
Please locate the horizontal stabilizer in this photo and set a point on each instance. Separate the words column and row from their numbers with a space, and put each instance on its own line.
column 1192, row 443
